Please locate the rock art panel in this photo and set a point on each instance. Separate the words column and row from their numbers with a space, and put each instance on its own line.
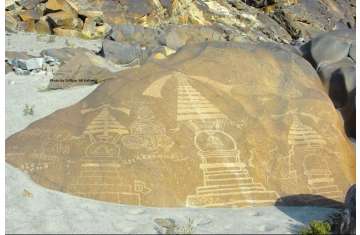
column 196, row 130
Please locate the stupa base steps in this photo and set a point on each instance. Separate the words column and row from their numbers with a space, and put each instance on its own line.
column 239, row 199
column 232, row 188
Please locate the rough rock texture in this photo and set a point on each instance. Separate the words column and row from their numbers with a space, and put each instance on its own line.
column 123, row 53
column 196, row 130
column 279, row 21
column 333, row 55
column 81, row 67
column 348, row 225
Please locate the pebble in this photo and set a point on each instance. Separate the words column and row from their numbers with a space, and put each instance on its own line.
column 255, row 213
column 204, row 221
column 136, row 211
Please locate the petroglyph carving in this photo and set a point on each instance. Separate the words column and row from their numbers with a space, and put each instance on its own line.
column 191, row 105
column 103, row 181
column 295, row 112
column 31, row 167
column 154, row 90
column 305, row 141
column 58, row 144
column 104, row 131
column 140, row 187
column 226, row 181
column 146, row 133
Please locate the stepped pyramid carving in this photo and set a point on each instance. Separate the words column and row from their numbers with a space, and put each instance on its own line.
column 305, row 141
column 99, row 170
column 226, row 181
column 104, row 132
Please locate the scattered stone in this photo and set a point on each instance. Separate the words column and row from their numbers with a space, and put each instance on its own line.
column 10, row 22
column 30, row 64
column 203, row 221
column 162, row 53
column 67, row 32
column 62, row 18
column 27, row 194
column 123, row 53
column 10, row 5
column 27, row 26
column 135, row 34
column 177, row 36
column 92, row 30
column 255, row 213
column 33, row 14
column 42, row 26
column 23, row 64
column 60, row 5
column 28, row 110
column 168, row 224
column 29, row 4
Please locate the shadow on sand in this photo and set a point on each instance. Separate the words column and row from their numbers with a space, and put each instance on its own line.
column 307, row 207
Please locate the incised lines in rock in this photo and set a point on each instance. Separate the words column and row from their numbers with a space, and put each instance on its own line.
column 104, row 132
column 226, row 180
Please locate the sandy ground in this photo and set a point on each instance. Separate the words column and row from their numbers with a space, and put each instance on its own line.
column 31, row 208
column 33, row 43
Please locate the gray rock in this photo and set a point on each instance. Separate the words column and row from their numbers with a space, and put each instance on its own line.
column 352, row 51
column 29, row 64
column 177, row 36
column 135, row 34
column 329, row 48
column 62, row 54
column 123, row 53
column 348, row 223
column 339, row 79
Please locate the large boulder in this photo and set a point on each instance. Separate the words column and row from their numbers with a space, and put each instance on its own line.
column 175, row 37
column 80, row 67
column 333, row 56
column 123, row 53
column 214, row 125
column 348, row 225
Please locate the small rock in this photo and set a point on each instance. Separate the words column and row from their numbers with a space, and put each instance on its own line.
column 67, row 32
column 62, row 18
column 138, row 211
column 204, row 221
column 30, row 64
column 122, row 53
column 27, row 194
column 10, row 22
column 165, row 223
column 329, row 48
column 255, row 213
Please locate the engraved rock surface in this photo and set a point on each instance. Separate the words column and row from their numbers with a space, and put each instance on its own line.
column 246, row 128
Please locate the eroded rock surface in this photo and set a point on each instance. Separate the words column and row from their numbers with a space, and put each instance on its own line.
column 215, row 125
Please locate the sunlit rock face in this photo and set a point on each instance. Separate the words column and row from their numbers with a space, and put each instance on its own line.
column 214, row 125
